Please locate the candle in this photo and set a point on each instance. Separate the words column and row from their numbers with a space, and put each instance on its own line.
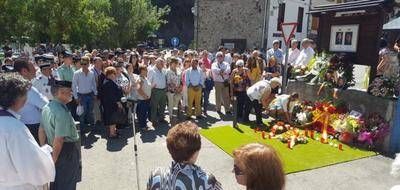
column 263, row 135
column 312, row 134
column 288, row 144
column 340, row 147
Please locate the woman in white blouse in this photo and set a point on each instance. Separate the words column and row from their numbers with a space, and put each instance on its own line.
column 24, row 165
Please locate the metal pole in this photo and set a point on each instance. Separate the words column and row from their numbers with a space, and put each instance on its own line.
column 235, row 125
column 284, row 70
column 135, row 146
column 266, row 19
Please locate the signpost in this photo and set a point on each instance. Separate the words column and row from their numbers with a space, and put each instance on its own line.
column 175, row 42
column 288, row 30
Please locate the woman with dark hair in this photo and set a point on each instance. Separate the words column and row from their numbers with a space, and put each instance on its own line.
column 17, row 144
column 272, row 69
column 183, row 143
column 111, row 100
column 254, row 70
column 134, row 60
column 258, row 167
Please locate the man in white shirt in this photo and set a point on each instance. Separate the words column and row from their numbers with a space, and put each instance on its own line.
column 294, row 52
column 24, row 165
column 84, row 88
column 157, row 78
column 221, row 73
column 260, row 95
column 44, row 81
column 275, row 52
column 306, row 54
column 32, row 110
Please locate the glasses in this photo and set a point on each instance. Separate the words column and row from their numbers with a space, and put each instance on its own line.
column 237, row 170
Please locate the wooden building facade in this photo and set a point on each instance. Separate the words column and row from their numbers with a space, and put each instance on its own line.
column 353, row 29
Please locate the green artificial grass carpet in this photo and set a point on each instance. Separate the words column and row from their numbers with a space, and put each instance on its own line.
column 302, row 157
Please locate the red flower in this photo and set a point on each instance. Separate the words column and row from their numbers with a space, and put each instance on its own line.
column 331, row 109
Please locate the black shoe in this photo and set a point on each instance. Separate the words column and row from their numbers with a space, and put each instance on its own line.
column 228, row 113
column 199, row 117
column 188, row 118
column 219, row 112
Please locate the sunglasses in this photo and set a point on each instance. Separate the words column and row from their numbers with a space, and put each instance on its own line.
column 237, row 170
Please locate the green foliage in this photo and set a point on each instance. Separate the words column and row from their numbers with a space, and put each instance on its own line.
column 94, row 23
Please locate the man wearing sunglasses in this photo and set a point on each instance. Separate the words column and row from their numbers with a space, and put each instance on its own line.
column 84, row 89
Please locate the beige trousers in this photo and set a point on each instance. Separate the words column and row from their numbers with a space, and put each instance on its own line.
column 222, row 95
column 173, row 101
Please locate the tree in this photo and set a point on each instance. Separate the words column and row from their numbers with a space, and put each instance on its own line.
column 135, row 19
column 13, row 19
column 95, row 23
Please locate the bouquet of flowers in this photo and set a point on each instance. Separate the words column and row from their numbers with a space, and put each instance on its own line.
column 374, row 128
column 302, row 113
column 346, row 123
column 383, row 87
column 294, row 136
column 279, row 128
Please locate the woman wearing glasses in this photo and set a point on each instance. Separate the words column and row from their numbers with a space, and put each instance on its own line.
column 258, row 167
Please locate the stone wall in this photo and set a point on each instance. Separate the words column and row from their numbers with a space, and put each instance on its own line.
column 230, row 19
column 357, row 100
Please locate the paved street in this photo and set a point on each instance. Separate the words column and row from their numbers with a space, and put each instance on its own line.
column 110, row 165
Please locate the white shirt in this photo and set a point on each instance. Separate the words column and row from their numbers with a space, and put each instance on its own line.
column 32, row 110
column 146, row 87
column 228, row 58
column 293, row 54
column 216, row 68
column 256, row 91
column 84, row 83
column 305, row 57
column 41, row 83
column 157, row 78
column 194, row 77
column 24, row 165
column 134, row 78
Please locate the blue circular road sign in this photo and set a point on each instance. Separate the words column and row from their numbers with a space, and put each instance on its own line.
column 175, row 41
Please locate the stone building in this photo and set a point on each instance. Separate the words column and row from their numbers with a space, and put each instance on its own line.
column 229, row 21
column 242, row 24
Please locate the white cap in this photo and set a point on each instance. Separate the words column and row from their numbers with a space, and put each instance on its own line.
column 275, row 82
column 240, row 63
column 276, row 42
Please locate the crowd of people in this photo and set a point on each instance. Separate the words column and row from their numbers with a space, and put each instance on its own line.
column 46, row 95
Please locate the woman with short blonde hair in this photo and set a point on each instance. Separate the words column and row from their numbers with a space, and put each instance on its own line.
column 258, row 167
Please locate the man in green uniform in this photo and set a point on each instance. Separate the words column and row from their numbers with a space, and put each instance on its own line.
column 66, row 73
column 60, row 130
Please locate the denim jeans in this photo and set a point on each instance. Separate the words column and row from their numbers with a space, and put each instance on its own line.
column 143, row 112
column 206, row 98
column 87, row 101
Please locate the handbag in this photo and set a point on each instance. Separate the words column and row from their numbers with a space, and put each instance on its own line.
column 119, row 117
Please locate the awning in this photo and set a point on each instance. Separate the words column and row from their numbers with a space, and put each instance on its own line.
column 348, row 6
column 392, row 25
